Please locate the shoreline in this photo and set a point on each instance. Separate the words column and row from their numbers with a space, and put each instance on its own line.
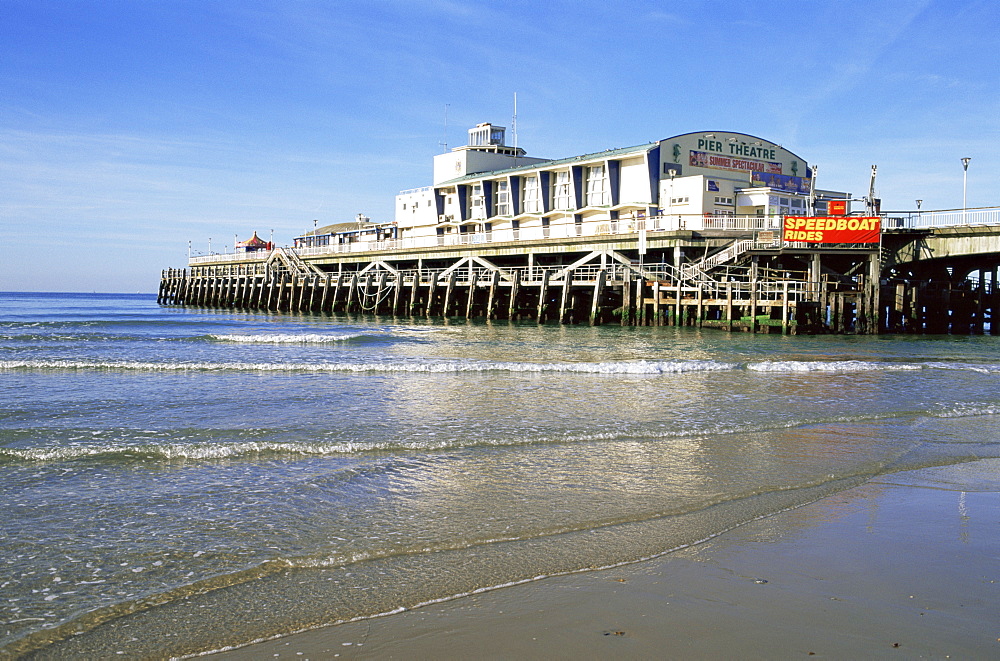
column 906, row 563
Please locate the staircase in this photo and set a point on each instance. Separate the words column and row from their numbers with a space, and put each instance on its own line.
column 699, row 271
column 293, row 263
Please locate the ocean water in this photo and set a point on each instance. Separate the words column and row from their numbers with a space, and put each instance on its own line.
column 179, row 480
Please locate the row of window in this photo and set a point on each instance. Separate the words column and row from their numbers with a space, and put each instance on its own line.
column 596, row 193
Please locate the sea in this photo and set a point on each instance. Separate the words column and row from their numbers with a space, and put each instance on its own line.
column 177, row 480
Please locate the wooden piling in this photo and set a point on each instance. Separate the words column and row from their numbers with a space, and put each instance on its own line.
column 543, row 293
column 449, row 290
column 431, row 290
column 515, row 290
column 564, row 298
column 595, row 306
column 492, row 301
column 469, row 301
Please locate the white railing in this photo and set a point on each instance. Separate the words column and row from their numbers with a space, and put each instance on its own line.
column 948, row 218
column 410, row 191
column 621, row 226
column 257, row 255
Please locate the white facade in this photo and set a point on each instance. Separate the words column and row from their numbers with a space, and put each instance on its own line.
column 489, row 190
column 485, row 152
column 416, row 208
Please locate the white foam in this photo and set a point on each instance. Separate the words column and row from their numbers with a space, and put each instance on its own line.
column 441, row 366
column 829, row 366
column 968, row 410
column 287, row 338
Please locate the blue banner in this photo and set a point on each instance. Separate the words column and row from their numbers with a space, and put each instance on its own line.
column 781, row 182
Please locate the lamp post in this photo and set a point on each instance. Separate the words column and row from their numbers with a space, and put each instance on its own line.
column 965, row 184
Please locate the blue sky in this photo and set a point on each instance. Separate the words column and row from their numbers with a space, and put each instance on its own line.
column 129, row 128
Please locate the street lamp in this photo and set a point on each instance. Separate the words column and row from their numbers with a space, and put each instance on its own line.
column 965, row 184
column 918, row 204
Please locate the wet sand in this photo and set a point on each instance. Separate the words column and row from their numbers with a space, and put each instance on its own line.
column 906, row 566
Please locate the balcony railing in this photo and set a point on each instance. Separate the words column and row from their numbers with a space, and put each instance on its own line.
column 738, row 225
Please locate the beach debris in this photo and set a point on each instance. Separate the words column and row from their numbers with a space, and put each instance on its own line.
column 895, row 644
column 614, row 633
column 759, row 581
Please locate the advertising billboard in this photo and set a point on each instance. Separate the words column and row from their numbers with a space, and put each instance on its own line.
column 782, row 182
column 837, row 207
column 832, row 229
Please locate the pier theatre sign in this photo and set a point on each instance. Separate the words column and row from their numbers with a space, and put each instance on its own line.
column 832, row 229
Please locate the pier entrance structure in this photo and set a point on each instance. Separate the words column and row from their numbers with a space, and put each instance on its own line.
column 686, row 230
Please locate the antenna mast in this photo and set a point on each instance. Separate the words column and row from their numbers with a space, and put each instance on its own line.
column 445, row 143
column 871, row 192
column 513, row 123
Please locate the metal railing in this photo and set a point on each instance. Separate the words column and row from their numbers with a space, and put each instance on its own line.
column 738, row 225
column 257, row 255
column 935, row 219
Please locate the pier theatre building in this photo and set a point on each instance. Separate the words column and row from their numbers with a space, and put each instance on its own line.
column 684, row 230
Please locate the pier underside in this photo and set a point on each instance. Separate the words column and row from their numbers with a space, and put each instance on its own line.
column 678, row 278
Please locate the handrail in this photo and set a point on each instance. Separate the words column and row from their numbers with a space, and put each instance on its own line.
column 738, row 225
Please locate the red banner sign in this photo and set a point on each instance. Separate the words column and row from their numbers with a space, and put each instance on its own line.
column 837, row 207
column 832, row 229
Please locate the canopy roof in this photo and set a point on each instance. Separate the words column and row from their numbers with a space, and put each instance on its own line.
column 253, row 242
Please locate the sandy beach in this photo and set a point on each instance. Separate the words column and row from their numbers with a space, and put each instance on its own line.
column 905, row 566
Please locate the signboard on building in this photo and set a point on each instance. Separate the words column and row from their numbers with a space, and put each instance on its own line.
column 704, row 159
column 832, row 229
column 733, row 157
column 781, row 182
column 837, row 207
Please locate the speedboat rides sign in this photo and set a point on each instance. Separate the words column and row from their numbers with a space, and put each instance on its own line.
column 832, row 229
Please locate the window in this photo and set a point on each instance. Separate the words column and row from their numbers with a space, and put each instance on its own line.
column 532, row 204
column 502, row 199
column 597, row 186
column 476, row 202
column 561, row 191
column 679, row 200
column 721, row 199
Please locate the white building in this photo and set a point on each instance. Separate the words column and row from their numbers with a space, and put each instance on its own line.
column 489, row 191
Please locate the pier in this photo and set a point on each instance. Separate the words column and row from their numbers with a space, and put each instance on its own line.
column 922, row 278
column 736, row 277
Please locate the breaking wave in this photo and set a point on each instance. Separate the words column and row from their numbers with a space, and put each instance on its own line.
column 290, row 338
column 637, row 367
column 430, row 366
